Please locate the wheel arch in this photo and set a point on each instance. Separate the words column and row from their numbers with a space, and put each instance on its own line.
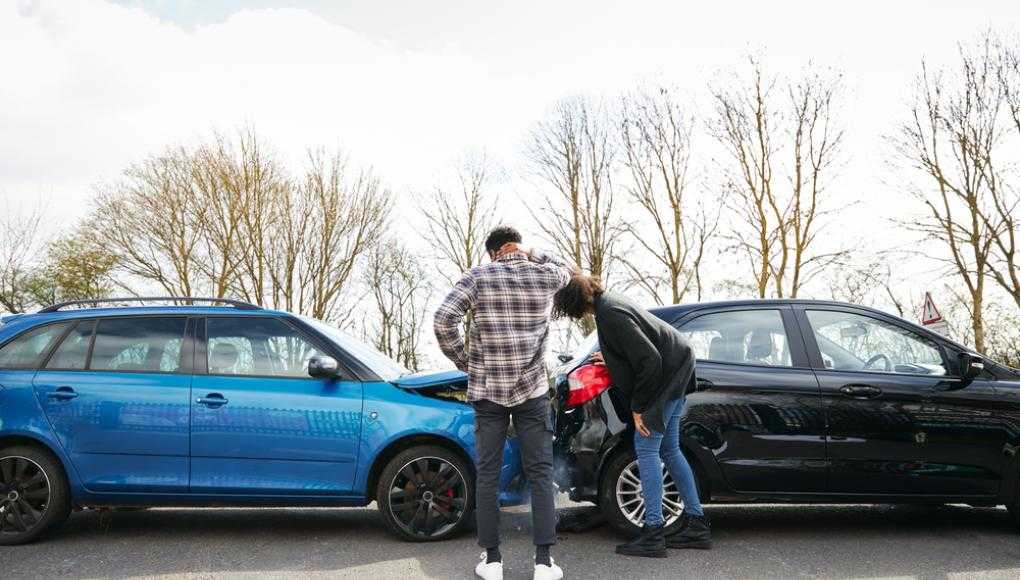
column 406, row 442
column 33, row 440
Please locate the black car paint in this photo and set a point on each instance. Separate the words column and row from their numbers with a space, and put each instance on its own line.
column 759, row 433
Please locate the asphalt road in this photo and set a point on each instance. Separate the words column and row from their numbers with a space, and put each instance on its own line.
column 751, row 541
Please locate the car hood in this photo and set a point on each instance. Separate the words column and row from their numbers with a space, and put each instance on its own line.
column 426, row 379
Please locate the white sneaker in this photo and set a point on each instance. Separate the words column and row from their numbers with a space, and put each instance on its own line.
column 492, row 571
column 553, row 572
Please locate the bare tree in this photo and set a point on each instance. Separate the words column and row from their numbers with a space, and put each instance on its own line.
column 236, row 181
column 226, row 218
column 868, row 284
column 1004, row 224
column 951, row 141
column 458, row 221
column 147, row 221
column 20, row 237
column 783, row 141
column 400, row 289
column 573, row 152
column 305, row 240
column 656, row 137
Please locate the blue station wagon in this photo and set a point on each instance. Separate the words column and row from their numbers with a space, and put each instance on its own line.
column 220, row 404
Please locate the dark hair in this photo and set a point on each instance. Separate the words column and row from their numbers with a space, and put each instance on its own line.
column 577, row 297
column 500, row 236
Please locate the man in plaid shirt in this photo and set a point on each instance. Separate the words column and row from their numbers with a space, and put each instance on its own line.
column 509, row 300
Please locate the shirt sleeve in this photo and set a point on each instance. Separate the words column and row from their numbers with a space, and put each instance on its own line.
column 449, row 317
column 559, row 269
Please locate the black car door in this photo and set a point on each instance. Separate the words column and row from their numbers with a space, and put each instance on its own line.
column 757, row 406
column 893, row 399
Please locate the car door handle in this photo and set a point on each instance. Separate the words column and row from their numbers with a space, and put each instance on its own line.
column 63, row 394
column 212, row 400
column 861, row 391
column 704, row 385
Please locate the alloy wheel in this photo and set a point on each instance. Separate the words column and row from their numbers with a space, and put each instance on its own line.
column 427, row 496
column 24, row 495
column 632, row 502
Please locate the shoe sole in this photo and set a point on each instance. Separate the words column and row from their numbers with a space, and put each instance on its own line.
column 692, row 546
column 662, row 554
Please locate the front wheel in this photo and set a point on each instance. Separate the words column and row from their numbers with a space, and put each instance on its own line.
column 426, row 494
column 621, row 498
column 34, row 495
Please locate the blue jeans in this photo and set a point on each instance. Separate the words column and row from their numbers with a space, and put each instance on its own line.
column 660, row 448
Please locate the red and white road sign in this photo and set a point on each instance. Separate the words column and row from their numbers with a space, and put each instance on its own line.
column 930, row 314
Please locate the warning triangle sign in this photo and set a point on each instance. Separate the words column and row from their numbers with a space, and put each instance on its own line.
column 930, row 314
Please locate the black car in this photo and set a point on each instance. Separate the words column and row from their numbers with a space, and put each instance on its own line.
column 804, row 401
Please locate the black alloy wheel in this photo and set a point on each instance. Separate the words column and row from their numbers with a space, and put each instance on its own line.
column 33, row 494
column 425, row 494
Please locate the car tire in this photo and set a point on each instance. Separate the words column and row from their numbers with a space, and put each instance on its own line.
column 616, row 495
column 34, row 495
column 426, row 494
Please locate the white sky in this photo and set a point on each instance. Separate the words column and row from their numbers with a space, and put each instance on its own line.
column 88, row 87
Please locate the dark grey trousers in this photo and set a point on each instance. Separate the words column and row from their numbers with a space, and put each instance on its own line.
column 534, row 426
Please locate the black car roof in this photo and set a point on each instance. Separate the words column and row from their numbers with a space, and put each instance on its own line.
column 678, row 309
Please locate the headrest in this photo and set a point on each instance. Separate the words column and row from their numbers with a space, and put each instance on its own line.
column 724, row 349
column 223, row 357
column 760, row 346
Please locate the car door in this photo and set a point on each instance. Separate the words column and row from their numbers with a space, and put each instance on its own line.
column 757, row 405
column 260, row 423
column 893, row 403
column 115, row 391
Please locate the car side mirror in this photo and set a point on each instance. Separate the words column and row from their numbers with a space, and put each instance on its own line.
column 323, row 367
column 564, row 357
column 971, row 366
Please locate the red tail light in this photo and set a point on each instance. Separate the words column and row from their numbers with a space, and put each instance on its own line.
column 585, row 383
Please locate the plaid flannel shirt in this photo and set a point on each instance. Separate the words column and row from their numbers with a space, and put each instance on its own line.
column 510, row 301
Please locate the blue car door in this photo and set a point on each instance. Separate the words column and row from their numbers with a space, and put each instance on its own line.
column 116, row 392
column 260, row 424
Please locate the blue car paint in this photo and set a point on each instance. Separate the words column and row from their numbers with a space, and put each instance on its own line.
column 141, row 438
column 393, row 413
column 125, row 432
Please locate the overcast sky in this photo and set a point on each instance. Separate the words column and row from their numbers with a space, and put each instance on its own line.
column 88, row 87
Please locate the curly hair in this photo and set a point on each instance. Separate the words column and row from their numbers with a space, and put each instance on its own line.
column 499, row 236
column 577, row 298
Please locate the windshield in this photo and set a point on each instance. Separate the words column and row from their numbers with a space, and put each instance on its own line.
column 382, row 365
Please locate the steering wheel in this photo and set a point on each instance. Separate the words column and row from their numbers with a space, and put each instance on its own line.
column 875, row 359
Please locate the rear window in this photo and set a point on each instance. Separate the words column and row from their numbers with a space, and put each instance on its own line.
column 26, row 351
column 755, row 337
column 143, row 344
column 73, row 352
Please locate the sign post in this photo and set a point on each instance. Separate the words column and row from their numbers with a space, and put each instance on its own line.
column 931, row 317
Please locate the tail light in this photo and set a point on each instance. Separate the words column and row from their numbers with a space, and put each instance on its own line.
column 585, row 383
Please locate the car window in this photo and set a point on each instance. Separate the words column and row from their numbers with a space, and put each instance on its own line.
column 138, row 344
column 854, row 342
column 73, row 352
column 25, row 351
column 256, row 346
column 382, row 365
column 741, row 336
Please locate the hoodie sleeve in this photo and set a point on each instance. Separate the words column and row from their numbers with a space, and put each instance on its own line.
column 644, row 359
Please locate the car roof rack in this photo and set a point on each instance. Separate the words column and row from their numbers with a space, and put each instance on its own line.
column 190, row 300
